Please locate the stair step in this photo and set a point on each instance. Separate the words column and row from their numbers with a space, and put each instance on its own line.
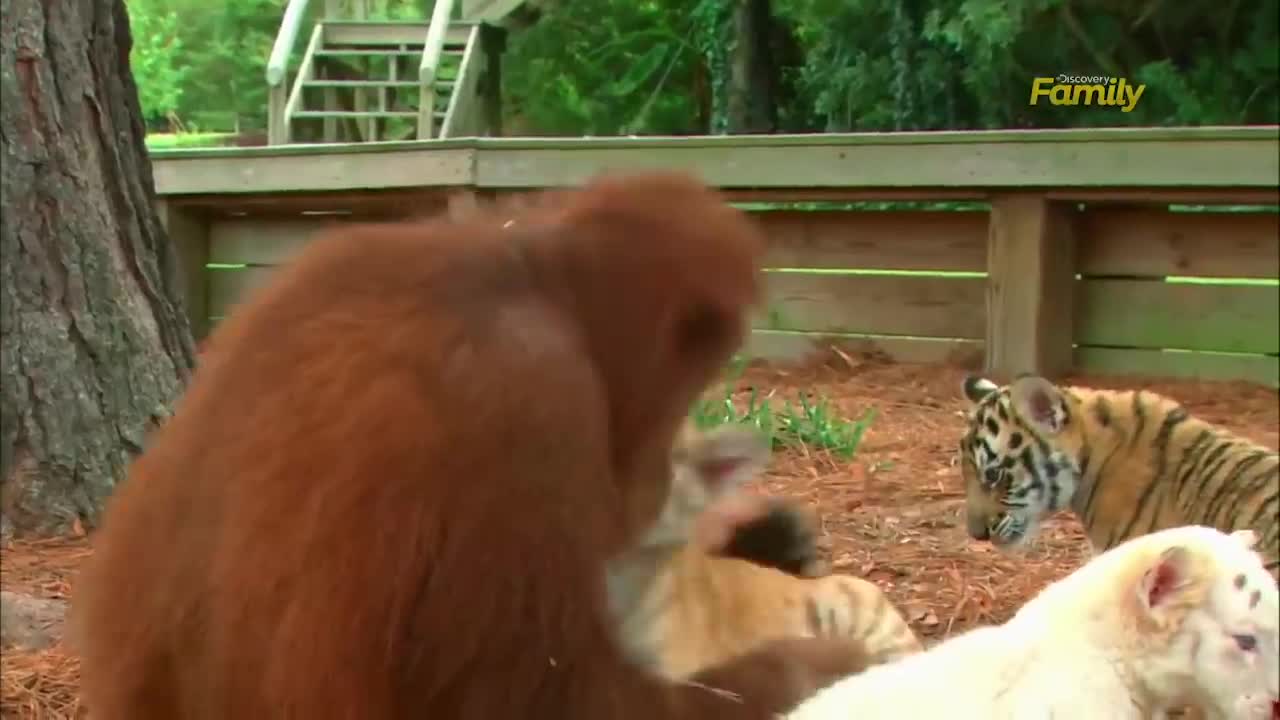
column 322, row 83
column 388, row 32
column 358, row 114
column 372, row 52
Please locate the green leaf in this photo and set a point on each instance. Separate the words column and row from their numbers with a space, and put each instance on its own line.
column 643, row 69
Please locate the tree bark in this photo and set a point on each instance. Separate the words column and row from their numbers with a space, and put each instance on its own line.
column 753, row 74
column 96, row 343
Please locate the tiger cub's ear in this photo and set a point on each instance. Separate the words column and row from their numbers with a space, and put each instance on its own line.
column 1246, row 537
column 976, row 388
column 1169, row 585
column 1040, row 403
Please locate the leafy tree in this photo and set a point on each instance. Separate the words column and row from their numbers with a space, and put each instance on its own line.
column 158, row 61
column 606, row 67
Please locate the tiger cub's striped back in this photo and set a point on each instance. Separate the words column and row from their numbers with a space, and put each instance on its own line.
column 681, row 606
column 1126, row 463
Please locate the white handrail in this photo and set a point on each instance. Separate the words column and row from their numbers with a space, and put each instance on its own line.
column 278, row 64
column 433, row 46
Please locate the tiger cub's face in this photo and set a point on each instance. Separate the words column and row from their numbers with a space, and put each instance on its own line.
column 1019, row 457
column 708, row 468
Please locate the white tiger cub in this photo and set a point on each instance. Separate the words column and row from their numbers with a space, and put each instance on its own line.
column 681, row 607
column 1184, row 616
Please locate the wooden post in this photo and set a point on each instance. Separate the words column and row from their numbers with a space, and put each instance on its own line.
column 277, row 123
column 189, row 233
column 329, row 125
column 1031, row 269
column 493, row 42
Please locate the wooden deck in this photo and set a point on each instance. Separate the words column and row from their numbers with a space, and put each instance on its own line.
column 1069, row 229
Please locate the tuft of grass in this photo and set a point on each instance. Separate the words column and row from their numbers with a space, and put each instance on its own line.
column 802, row 422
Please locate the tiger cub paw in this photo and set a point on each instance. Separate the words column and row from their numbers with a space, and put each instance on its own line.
column 783, row 535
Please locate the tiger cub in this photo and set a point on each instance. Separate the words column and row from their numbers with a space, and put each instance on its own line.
column 1125, row 462
column 1186, row 615
column 682, row 606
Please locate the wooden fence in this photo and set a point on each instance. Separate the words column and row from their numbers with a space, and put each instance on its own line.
column 1108, row 251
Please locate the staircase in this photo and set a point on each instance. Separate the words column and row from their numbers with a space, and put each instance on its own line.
column 371, row 80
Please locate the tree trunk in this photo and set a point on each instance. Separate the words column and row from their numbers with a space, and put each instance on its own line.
column 753, row 75
column 96, row 343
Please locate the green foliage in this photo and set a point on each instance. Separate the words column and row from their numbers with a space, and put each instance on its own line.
column 604, row 67
column 205, row 62
column 804, row 423
column 199, row 56
column 157, row 61
column 609, row 67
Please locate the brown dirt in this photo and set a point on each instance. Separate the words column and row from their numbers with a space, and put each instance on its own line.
column 892, row 515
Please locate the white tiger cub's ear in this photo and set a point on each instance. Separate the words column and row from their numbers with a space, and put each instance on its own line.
column 976, row 388
column 1246, row 537
column 1039, row 402
column 1166, row 581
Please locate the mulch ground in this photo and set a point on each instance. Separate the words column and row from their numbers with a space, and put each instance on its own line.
column 894, row 514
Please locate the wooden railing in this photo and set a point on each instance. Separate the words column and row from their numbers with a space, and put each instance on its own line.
column 278, row 72
column 460, row 117
column 1052, row 251
column 432, row 49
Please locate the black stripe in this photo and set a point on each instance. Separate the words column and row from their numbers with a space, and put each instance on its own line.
column 1161, row 445
column 1139, row 410
column 1200, row 471
column 1097, row 481
column 1102, row 411
column 1042, row 445
column 1182, row 477
column 1214, row 504
column 1186, row 469
column 1212, row 467
column 1269, row 500
column 813, row 615
column 989, row 452
column 1207, row 473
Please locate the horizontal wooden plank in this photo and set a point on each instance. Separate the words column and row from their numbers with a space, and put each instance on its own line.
column 1118, row 135
column 1155, row 314
column 1168, row 195
column 261, row 242
column 907, row 240
column 384, row 32
column 896, row 240
column 874, row 304
column 385, row 204
column 803, row 194
column 1152, row 241
column 228, row 287
column 798, row 347
column 1007, row 164
column 318, row 171
column 1165, row 158
column 1261, row 369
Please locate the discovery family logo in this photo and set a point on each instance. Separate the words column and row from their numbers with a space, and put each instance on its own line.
column 1087, row 90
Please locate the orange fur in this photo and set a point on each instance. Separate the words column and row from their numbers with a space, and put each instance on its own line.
column 392, row 490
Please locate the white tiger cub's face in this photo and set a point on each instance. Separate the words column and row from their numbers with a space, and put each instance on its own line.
column 1232, row 639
